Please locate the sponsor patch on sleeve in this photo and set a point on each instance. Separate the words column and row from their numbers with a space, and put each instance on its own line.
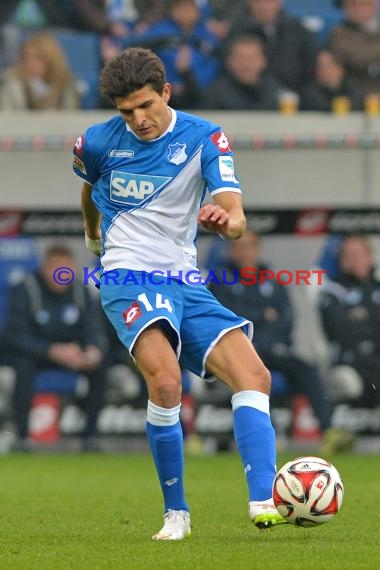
column 226, row 169
column 78, row 164
column 221, row 141
column 78, row 147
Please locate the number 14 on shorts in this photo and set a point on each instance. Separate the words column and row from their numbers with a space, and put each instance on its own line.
column 134, row 311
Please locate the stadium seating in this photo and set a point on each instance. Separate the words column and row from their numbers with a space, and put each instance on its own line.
column 82, row 50
column 318, row 16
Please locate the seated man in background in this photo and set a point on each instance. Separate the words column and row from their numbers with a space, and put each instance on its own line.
column 357, row 42
column 52, row 325
column 290, row 48
column 246, row 83
column 350, row 313
column 269, row 307
column 330, row 83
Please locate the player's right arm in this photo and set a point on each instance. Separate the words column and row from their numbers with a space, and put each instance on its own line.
column 226, row 215
column 91, row 220
column 85, row 165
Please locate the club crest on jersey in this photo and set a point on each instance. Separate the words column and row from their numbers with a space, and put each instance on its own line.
column 221, row 141
column 177, row 153
column 134, row 189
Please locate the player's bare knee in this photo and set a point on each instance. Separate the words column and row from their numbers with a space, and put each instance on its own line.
column 265, row 380
column 261, row 380
column 167, row 390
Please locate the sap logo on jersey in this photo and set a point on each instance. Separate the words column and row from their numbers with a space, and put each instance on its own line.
column 226, row 169
column 133, row 189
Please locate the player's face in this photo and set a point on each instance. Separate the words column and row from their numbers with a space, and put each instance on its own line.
column 146, row 112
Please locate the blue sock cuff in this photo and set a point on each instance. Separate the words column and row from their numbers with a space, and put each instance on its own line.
column 251, row 399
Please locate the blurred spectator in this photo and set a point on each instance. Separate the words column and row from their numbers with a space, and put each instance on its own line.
column 350, row 311
column 54, row 326
column 30, row 14
column 41, row 79
column 188, row 49
column 149, row 12
column 19, row 17
column 84, row 15
column 357, row 42
column 290, row 48
column 269, row 308
column 246, row 84
column 330, row 81
column 123, row 15
column 93, row 16
column 219, row 14
column 224, row 9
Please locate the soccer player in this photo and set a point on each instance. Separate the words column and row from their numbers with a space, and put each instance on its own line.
column 146, row 172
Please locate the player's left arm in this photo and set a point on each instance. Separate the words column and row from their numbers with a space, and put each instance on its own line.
column 225, row 216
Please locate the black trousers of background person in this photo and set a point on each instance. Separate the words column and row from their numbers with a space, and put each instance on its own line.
column 303, row 378
column 26, row 368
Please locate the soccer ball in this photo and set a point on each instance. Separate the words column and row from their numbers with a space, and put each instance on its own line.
column 308, row 491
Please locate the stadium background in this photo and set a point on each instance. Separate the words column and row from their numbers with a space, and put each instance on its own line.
column 304, row 176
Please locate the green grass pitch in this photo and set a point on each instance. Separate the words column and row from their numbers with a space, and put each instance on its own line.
column 99, row 512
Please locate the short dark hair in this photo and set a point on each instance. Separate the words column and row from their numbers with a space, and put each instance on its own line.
column 59, row 250
column 132, row 69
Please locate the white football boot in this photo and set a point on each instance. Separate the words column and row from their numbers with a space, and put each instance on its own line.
column 264, row 514
column 176, row 526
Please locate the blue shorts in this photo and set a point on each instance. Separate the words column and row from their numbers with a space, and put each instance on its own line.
column 191, row 314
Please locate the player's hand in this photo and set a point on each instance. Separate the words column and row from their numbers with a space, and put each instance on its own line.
column 94, row 245
column 213, row 218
